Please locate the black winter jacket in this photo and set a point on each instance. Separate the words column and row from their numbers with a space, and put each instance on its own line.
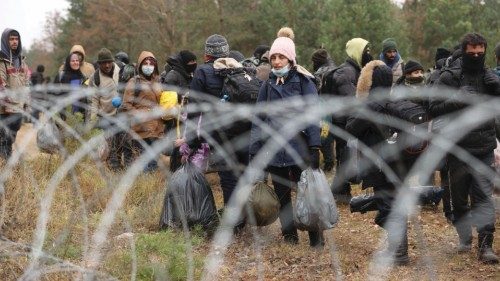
column 482, row 139
column 345, row 79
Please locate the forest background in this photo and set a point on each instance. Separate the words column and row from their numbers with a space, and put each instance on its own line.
column 168, row 26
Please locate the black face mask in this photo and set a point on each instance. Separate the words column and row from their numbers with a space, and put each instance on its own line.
column 190, row 68
column 366, row 58
column 472, row 63
column 415, row 80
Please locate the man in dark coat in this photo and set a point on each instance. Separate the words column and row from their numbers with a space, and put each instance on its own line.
column 344, row 82
column 207, row 81
column 469, row 74
column 323, row 65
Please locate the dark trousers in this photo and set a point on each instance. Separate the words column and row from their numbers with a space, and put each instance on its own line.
column 283, row 179
column 9, row 125
column 445, row 184
column 341, row 183
column 327, row 148
column 465, row 184
column 152, row 165
column 229, row 177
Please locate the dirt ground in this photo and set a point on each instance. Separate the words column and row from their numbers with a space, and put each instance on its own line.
column 350, row 249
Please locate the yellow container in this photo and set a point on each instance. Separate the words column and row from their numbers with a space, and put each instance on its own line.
column 169, row 101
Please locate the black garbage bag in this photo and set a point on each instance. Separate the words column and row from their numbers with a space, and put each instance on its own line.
column 363, row 203
column 189, row 196
column 315, row 207
column 427, row 195
column 430, row 195
column 264, row 203
column 49, row 138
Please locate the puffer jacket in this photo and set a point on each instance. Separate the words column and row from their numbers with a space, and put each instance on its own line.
column 175, row 74
column 372, row 134
column 344, row 83
column 482, row 139
column 13, row 78
column 141, row 97
column 296, row 84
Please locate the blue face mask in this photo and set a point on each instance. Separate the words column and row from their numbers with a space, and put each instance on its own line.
column 282, row 72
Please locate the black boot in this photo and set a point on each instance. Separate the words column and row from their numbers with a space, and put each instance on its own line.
column 485, row 250
column 316, row 239
column 465, row 238
column 399, row 245
column 290, row 236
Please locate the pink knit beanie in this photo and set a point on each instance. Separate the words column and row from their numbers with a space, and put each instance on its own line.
column 284, row 46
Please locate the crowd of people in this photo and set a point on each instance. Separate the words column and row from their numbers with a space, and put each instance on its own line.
column 468, row 192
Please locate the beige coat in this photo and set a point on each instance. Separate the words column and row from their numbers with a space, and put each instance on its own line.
column 16, row 80
column 147, row 99
column 101, row 99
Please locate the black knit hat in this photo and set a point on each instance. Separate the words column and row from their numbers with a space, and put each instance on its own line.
column 104, row 55
column 320, row 57
column 497, row 51
column 237, row 55
column 216, row 46
column 187, row 56
column 411, row 66
column 260, row 50
column 382, row 77
column 441, row 53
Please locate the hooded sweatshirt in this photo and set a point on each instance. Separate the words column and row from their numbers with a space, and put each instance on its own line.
column 86, row 68
column 141, row 97
column 14, row 74
column 354, row 49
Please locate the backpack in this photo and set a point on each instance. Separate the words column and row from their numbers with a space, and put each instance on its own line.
column 324, row 77
column 239, row 86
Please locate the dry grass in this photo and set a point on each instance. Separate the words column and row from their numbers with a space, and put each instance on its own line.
column 161, row 255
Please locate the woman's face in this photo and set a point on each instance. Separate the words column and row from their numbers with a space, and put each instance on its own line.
column 278, row 61
column 74, row 62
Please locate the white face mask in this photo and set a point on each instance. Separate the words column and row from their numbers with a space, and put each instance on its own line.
column 148, row 69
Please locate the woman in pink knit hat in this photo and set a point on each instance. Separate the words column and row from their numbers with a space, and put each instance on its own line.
column 288, row 80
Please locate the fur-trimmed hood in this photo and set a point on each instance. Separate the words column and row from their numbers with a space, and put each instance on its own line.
column 366, row 78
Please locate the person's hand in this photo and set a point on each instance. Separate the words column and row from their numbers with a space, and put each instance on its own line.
column 491, row 79
column 179, row 142
column 314, row 155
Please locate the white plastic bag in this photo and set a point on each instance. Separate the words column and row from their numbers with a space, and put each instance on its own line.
column 315, row 207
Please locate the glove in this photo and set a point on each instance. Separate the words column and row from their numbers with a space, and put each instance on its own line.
column 314, row 155
column 491, row 79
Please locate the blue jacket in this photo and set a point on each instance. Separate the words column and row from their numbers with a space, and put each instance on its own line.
column 296, row 84
column 205, row 80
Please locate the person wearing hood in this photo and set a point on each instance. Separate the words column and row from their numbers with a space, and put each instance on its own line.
column 72, row 75
column 391, row 57
column 344, row 83
column 178, row 73
column 15, row 77
column 375, row 84
column 474, row 80
column 86, row 67
column 179, row 69
column 288, row 80
column 141, row 98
